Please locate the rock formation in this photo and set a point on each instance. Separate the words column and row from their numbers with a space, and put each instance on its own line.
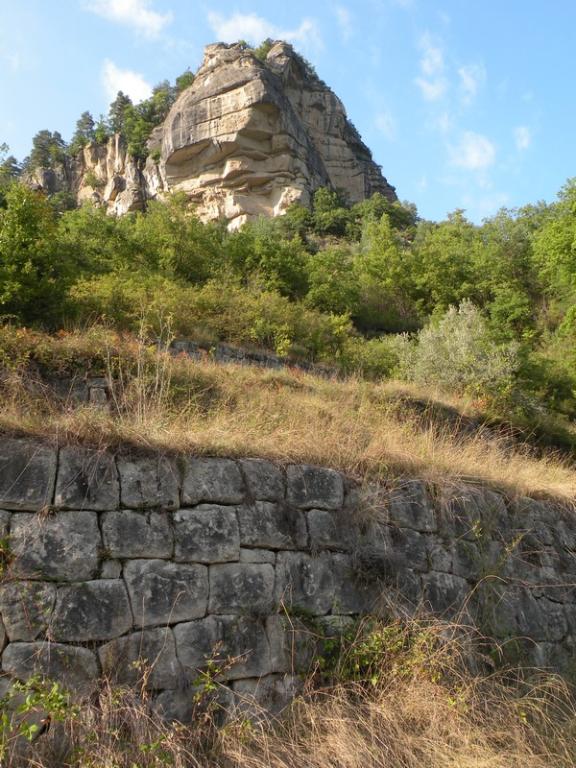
column 247, row 138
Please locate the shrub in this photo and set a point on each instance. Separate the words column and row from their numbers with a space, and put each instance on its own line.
column 458, row 354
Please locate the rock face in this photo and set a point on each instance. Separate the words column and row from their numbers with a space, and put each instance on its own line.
column 180, row 563
column 247, row 138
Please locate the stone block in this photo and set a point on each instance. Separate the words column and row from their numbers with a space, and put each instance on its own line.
column 257, row 556
column 165, row 593
column 264, row 480
column 542, row 521
column 409, row 548
column 238, row 645
column 188, row 704
column 410, row 506
column 197, row 644
column 4, row 524
column 244, row 647
column 314, row 487
column 27, row 474
column 144, row 658
column 148, row 482
column 26, row 608
column 353, row 593
column 206, row 534
column 293, row 644
column 3, row 639
column 92, row 610
column 444, row 593
column 111, row 569
column 471, row 512
column 273, row 526
column 440, row 556
column 331, row 530
column 265, row 697
column 87, row 479
column 60, row 547
column 241, row 588
column 74, row 668
column 213, row 480
column 130, row 534
column 305, row 582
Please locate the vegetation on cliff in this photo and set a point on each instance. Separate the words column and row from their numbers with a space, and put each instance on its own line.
column 481, row 311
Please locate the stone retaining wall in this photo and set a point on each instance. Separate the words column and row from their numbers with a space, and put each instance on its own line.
column 111, row 560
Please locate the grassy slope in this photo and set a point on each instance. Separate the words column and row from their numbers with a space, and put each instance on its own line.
column 369, row 430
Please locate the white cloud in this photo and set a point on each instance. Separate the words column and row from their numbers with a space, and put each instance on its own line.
column 523, row 137
column 131, row 13
column 432, row 82
column 473, row 152
column 254, row 29
column 131, row 83
column 472, row 77
column 344, row 18
column 386, row 124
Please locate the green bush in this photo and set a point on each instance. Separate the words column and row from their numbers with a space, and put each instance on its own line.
column 458, row 354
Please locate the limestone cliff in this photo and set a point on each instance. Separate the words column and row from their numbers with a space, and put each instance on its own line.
column 247, row 138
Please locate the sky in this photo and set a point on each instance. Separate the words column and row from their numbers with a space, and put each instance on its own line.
column 464, row 103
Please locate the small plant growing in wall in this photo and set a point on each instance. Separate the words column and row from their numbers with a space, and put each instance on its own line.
column 20, row 707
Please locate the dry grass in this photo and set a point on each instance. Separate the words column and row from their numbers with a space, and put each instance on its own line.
column 360, row 427
column 423, row 709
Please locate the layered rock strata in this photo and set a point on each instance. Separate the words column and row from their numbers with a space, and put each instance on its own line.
column 247, row 138
column 114, row 561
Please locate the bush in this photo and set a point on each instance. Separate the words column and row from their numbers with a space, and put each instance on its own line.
column 458, row 354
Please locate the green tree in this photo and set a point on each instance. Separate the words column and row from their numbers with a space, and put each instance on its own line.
column 333, row 284
column 384, row 273
column 184, row 81
column 117, row 112
column 84, row 133
column 34, row 272
column 331, row 217
column 262, row 51
column 446, row 254
column 48, row 149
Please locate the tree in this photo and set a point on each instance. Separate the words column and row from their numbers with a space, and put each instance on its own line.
column 101, row 131
column 84, row 133
column 263, row 49
column 48, row 149
column 117, row 112
column 184, row 81
column 34, row 271
column 331, row 217
column 384, row 272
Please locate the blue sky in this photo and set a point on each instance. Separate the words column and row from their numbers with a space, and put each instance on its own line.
column 464, row 103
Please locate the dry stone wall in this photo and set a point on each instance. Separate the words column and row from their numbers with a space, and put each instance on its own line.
column 112, row 561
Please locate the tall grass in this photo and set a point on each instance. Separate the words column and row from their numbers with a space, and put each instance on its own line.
column 163, row 403
column 413, row 702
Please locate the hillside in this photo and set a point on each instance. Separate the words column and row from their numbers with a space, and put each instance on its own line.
column 268, row 433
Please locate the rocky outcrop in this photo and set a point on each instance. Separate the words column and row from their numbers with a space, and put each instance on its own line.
column 247, row 138
column 180, row 563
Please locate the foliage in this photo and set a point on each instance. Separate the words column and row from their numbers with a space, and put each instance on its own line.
column 21, row 707
column 458, row 354
column 48, row 150
column 85, row 133
column 263, row 49
column 34, row 272
column 184, row 80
